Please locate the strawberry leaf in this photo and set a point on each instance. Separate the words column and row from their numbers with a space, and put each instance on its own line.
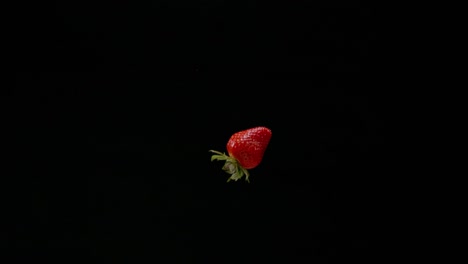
column 231, row 166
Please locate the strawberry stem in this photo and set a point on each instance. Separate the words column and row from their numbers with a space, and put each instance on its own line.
column 231, row 166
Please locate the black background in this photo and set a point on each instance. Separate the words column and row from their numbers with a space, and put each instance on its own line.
column 117, row 104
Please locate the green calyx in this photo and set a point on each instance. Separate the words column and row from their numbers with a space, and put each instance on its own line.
column 231, row 166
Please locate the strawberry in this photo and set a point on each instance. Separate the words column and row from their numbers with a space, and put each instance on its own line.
column 246, row 149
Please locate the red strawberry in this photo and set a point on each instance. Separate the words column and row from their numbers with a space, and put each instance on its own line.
column 246, row 149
